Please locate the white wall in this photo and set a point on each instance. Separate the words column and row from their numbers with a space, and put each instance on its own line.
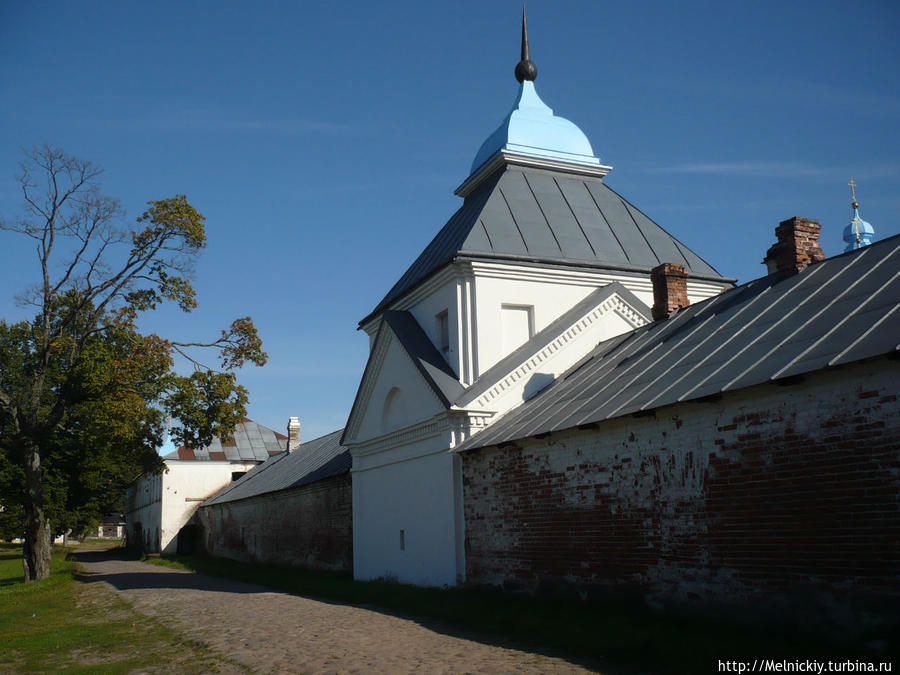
column 404, row 475
column 144, row 497
column 185, row 485
column 163, row 503
column 551, row 292
column 426, row 310
column 396, row 378
column 416, row 496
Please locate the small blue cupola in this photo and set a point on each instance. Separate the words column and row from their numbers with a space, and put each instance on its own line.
column 532, row 131
column 858, row 232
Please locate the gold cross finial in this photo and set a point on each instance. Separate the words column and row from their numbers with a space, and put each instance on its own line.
column 855, row 205
column 852, row 185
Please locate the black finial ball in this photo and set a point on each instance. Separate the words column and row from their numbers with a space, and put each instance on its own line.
column 526, row 70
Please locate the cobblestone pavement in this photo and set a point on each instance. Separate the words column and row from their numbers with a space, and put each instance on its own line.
column 272, row 632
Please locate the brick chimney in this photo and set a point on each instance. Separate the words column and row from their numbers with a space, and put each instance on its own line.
column 797, row 246
column 293, row 429
column 669, row 289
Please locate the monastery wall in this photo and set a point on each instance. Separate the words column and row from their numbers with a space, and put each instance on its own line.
column 143, row 508
column 780, row 498
column 309, row 526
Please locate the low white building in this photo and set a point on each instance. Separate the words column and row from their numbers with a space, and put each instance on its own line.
column 157, row 506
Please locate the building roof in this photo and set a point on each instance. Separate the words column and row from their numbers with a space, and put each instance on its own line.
column 250, row 442
column 314, row 460
column 427, row 359
column 549, row 216
column 532, row 129
column 835, row 312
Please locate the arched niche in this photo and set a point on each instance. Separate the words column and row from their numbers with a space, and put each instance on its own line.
column 394, row 411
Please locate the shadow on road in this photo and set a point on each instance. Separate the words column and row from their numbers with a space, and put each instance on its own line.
column 93, row 564
column 100, row 566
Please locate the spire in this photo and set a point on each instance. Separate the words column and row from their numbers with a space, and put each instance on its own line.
column 531, row 134
column 858, row 233
column 525, row 69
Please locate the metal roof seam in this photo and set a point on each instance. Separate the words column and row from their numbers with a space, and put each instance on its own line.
column 627, row 208
column 486, row 233
column 679, row 244
column 837, row 359
column 672, row 326
column 747, row 308
column 796, row 308
column 606, row 220
column 612, row 366
column 848, row 317
column 666, row 371
column 512, row 215
column 655, row 349
column 798, row 282
column 543, row 214
column 575, row 217
column 681, row 248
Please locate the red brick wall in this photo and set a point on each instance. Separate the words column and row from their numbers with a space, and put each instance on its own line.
column 310, row 526
column 769, row 492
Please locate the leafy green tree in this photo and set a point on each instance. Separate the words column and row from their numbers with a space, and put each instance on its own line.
column 83, row 393
column 12, row 516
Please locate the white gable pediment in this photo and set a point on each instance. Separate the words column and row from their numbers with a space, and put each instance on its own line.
column 393, row 393
column 519, row 376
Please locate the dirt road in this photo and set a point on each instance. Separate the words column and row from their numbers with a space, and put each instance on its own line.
column 267, row 631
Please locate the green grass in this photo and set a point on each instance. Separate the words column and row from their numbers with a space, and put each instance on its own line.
column 623, row 635
column 61, row 625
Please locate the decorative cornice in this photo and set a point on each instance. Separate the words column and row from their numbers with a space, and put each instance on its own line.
column 368, row 386
column 556, row 275
column 465, row 421
column 612, row 304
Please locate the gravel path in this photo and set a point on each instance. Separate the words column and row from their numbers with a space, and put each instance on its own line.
column 273, row 632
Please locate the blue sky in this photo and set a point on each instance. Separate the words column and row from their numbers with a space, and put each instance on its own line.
column 323, row 140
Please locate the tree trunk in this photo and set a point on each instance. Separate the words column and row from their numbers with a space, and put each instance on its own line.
column 37, row 550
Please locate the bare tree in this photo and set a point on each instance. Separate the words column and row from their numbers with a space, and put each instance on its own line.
column 94, row 277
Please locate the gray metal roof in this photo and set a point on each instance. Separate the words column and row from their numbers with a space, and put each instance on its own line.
column 433, row 367
column 314, row 460
column 838, row 311
column 429, row 361
column 250, row 442
column 538, row 215
column 489, row 378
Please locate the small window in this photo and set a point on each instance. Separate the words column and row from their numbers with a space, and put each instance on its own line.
column 237, row 474
column 402, row 540
column 443, row 322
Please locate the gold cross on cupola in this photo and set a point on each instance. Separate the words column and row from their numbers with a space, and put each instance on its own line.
column 852, row 185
